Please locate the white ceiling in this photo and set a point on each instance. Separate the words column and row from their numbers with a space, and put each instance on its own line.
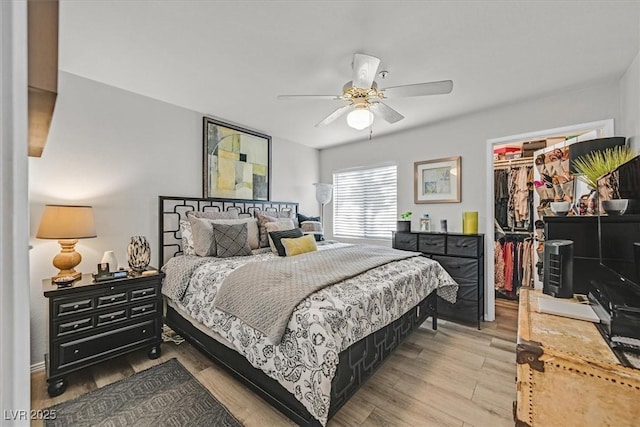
column 230, row 59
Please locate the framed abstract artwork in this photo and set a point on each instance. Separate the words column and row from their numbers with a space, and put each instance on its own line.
column 437, row 181
column 237, row 162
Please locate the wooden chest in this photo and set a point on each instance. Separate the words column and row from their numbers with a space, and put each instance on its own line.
column 568, row 375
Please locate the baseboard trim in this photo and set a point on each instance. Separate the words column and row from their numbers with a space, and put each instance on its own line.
column 37, row 367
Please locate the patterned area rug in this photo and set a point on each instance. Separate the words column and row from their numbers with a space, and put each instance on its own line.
column 164, row 395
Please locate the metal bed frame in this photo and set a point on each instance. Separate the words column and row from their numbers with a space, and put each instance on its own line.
column 355, row 364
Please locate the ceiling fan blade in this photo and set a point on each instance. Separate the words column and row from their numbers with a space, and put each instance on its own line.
column 385, row 112
column 337, row 113
column 295, row 97
column 364, row 70
column 419, row 89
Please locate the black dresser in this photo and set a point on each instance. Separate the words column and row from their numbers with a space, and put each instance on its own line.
column 91, row 322
column 462, row 255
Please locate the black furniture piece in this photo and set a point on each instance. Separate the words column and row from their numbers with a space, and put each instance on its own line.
column 462, row 255
column 583, row 231
column 356, row 364
column 91, row 322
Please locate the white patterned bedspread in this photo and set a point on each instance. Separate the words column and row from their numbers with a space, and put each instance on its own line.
column 322, row 325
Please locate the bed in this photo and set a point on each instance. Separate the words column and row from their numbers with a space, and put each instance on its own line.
column 310, row 373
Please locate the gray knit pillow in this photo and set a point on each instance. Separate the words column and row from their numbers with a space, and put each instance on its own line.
column 231, row 240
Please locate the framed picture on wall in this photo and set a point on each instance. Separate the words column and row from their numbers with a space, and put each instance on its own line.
column 236, row 162
column 437, row 181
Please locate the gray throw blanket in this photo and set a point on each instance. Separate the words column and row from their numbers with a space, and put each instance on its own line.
column 265, row 294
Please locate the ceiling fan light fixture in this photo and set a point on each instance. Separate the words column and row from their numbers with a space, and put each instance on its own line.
column 360, row 118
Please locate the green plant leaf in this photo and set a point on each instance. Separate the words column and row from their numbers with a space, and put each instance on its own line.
column 598, row 163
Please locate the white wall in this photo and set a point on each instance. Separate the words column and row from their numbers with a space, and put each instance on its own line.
column 630, row 104
column 466, row 137
column 118, row 151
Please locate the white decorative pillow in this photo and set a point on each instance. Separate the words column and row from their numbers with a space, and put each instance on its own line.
column 279, row 225
column 187, row 238
column 204, row 243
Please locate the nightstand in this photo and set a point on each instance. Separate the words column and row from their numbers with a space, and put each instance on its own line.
column 91, row 322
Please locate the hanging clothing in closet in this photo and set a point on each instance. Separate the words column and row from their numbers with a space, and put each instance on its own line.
column 513, row 196
column 513, row 259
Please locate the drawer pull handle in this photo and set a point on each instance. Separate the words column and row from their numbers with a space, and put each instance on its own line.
column 76, row 326
column 76, row 306
column 76, row 351
column 431, row 244
column 144, row 293
column 144, row 331
column 464, row 245
column 113, row 317
column 143, row 309
column 112, row 288
column 113, row 298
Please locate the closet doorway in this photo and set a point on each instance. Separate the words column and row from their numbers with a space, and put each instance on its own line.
column 519, row 205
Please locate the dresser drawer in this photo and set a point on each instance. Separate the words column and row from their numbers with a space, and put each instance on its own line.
column 112, row 299
column 463, row 246
column 406, row 241
column 62, row 329
column 460, row 269
column 142, row 293
column 142, row 310
column 108, row 318
column 462, row 309
column 468, row 291
column 431, row 243
column 84, row 349
column 64, row 307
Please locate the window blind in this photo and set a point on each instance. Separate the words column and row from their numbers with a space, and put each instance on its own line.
column 365, row 202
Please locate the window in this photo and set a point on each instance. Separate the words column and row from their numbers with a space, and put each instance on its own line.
column 365, row 202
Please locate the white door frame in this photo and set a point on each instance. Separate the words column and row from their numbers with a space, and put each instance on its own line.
column 15, row 399
column 605, row 128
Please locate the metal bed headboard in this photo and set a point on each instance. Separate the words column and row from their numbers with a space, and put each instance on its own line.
column 173, row 209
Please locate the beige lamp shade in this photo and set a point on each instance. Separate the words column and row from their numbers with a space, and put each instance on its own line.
column 67, row 224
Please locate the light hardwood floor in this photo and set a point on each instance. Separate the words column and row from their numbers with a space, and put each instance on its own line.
column 457, row 376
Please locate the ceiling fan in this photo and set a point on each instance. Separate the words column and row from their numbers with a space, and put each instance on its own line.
column 364, row 99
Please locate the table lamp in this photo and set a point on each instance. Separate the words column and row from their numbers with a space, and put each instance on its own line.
column 67, row 224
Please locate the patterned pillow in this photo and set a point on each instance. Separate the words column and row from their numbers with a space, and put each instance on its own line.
column 187, row 238
column 252, row 229
column 262, row 220
column 231, row 240
column 275, row 237
column 299, row 245
column 280, row 225
column 230, row 214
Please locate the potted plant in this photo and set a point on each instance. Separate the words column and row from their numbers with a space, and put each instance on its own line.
column 404, row 224
column 595, row 165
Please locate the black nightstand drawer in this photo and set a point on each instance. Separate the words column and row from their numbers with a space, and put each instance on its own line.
column 143, row 309
column 406, row 241
column 463, row 246
column 431, row 243
column 86, row 348
column 75, row 306
column 112, row 299
column 464, row 269
column 137, row 294
column 74, row 326
column 107, row 318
